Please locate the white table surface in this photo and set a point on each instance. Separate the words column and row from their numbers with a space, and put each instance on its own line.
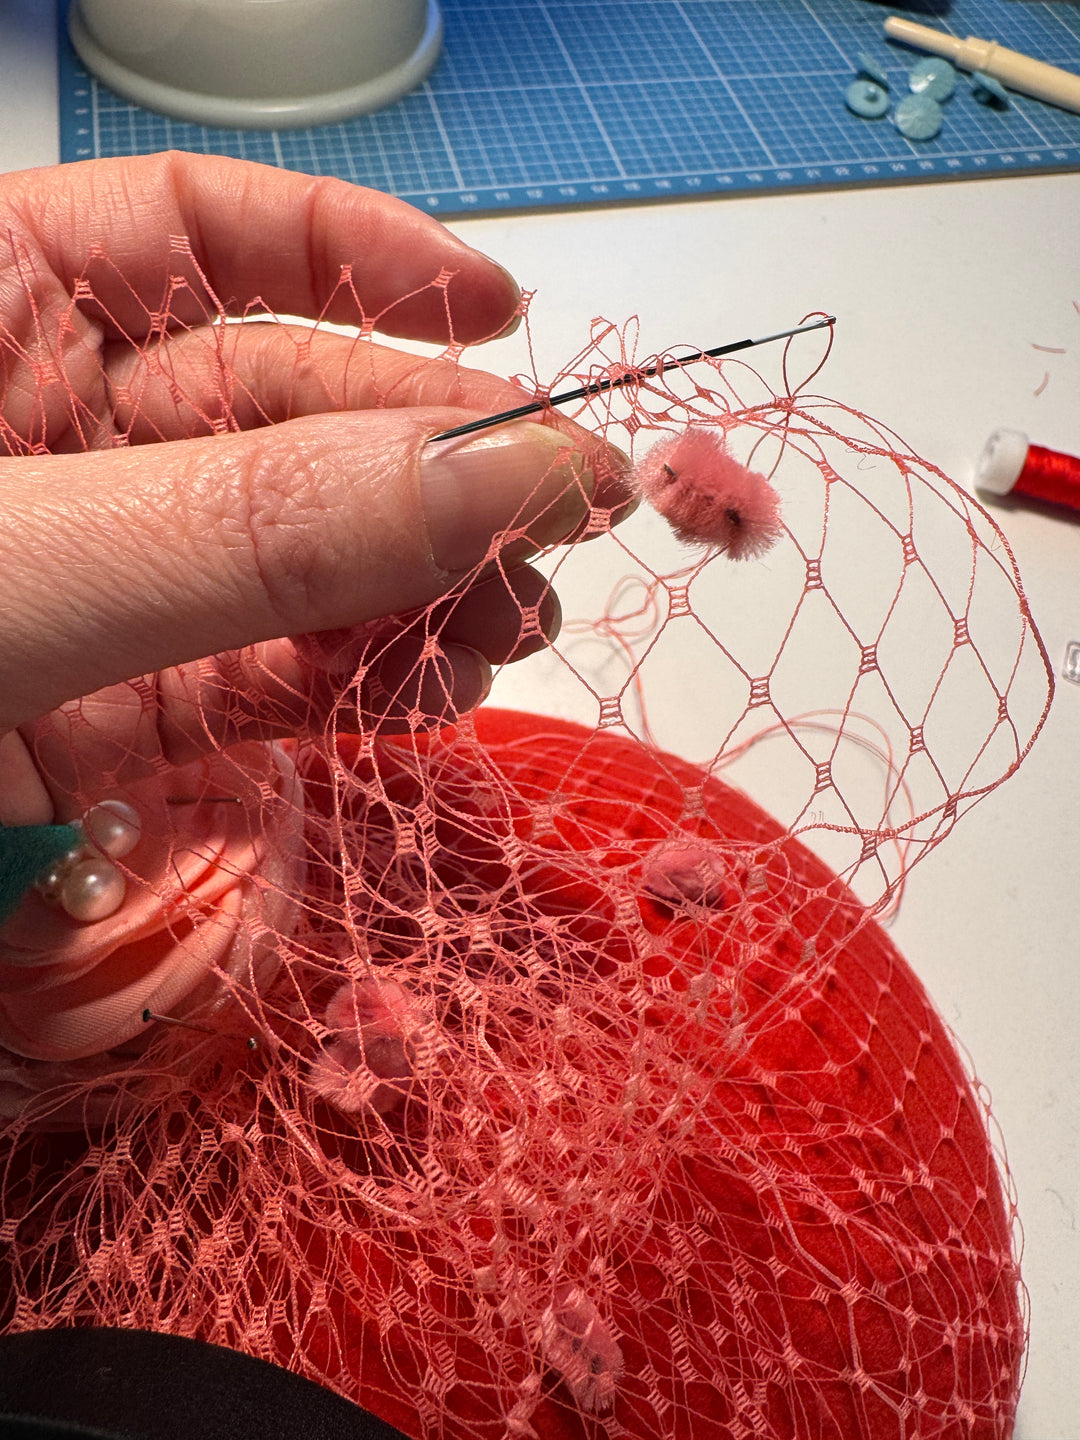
column 941, row 292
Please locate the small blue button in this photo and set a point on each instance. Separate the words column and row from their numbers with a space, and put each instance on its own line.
column 987, row 90
column 869, row 67
column 918, row 117
column 866, row 99
column 934, row 77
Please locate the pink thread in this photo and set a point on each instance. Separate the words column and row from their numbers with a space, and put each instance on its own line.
column 708, row 497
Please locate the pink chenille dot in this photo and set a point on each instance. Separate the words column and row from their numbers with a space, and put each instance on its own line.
column 707, row 496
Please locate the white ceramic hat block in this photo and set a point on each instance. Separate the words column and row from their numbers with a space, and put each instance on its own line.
column 265, row 64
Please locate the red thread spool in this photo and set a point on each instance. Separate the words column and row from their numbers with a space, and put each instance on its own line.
column 1011, row 465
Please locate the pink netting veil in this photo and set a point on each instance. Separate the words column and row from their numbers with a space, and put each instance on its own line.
column 515, row 1073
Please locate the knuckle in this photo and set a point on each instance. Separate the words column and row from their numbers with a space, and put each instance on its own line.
column 281, row 506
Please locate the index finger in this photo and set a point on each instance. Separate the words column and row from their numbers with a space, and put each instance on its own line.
column 245, row 232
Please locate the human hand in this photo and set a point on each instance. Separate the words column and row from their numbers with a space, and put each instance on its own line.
column 122, row 558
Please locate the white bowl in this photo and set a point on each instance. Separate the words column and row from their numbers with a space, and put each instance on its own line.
column 262, row 64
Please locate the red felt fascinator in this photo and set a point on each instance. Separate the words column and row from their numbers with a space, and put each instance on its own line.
column 518, row 1079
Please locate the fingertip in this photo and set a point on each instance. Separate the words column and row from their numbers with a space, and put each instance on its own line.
column 24, row 800
column 471, row 677
column 470, row 300
column 611, row 469
column 406, row 688
column 507, row 615
column 514, row 486
column 492, row 307
column 514, row 298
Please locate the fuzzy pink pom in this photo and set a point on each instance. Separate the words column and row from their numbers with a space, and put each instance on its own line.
column 372, row 1064
column 685, row 874
column 579, row 1344
column 383, row 1005
column 707, row 497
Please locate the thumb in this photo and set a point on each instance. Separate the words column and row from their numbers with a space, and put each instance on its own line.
column 117, row 563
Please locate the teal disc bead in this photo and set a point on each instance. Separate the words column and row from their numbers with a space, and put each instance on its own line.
column 869, row 67
column 934, row 77
column 25, row 852
column 987, row 90
column 918, row 117
column 865, row 98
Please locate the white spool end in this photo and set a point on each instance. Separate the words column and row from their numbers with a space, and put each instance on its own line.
column 1001, row 462
column 249, row 64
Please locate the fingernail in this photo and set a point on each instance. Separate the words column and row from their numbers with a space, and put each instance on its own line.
column 515, row 319
column 511, row 483
column 472, row 677
column 510, row 326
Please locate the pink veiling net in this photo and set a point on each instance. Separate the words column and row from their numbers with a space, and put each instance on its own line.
column 534, row 1081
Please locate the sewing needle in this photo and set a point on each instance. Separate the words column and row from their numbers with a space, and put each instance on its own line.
column 599, row 387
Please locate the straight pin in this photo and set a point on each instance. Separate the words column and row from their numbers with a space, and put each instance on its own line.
column 203, row 800
column 600, row 387
column 148, row 1015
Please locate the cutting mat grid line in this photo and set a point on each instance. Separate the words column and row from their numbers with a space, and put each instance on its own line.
column 563, row 102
